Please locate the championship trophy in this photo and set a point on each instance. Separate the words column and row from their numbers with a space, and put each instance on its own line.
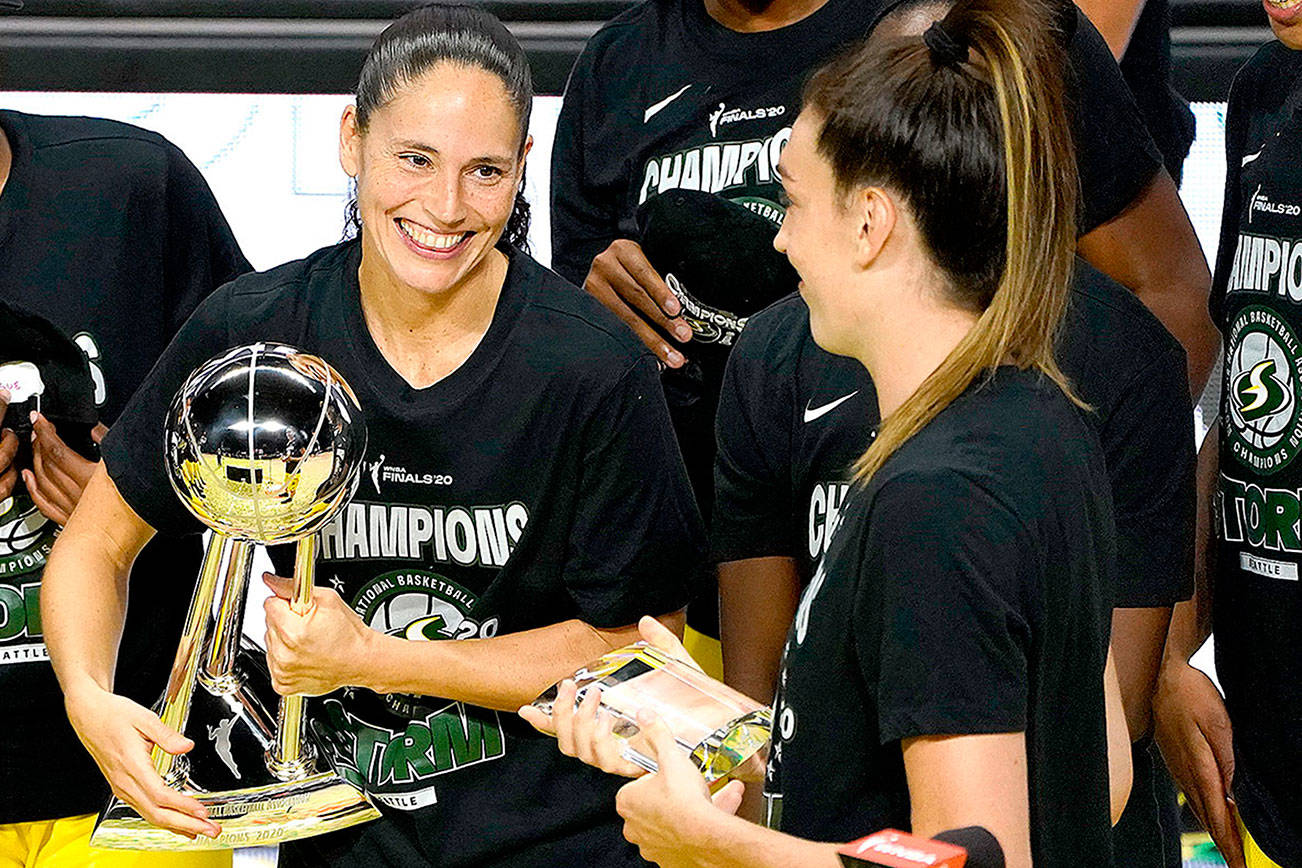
column 723, row 732
column 263, row 445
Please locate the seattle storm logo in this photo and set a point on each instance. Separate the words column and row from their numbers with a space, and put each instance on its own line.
column 1262, row 377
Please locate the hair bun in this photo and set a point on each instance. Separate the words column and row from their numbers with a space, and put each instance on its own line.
column 945, row 49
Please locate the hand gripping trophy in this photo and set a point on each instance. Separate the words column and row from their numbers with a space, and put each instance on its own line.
column 264, row 444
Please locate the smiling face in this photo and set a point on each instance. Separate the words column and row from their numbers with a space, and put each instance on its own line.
column 820, row 235
column 1286, row 21
column 437, row 170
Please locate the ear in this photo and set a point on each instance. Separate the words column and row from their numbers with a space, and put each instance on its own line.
column 524, row 153
column 875, row 217
column 350, row 142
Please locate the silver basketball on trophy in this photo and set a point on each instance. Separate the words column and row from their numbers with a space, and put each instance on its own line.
column 264, row 443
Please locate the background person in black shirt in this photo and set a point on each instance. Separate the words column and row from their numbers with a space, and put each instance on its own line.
column 946, row 665
column 1238, row 760
column 694, row 94
column 522, row 488
column 110, row 235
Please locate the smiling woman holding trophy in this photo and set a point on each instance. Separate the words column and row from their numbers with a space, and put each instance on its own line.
column 519, row 492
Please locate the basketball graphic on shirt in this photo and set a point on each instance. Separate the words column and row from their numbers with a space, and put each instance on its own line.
column 22, row 529
column 1262, row 377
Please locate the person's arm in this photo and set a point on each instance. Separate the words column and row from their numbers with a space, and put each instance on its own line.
column 1191, row 725
column 757, row 603
column 83, row 605
column 971, row 780
column 1151, row 248
column 331, row 647
column 1121, row 772
column 1115, row 19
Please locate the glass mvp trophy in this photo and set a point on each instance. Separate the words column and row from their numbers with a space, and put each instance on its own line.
column 263, row 445
column 720, row 729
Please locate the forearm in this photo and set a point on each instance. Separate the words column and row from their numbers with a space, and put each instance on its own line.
column 757, row 603
column 1138, row 636
column 731, row 842
column 504, row 672
column 84, row 587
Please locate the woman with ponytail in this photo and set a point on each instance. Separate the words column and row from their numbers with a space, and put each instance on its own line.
column 521, row 490
column 946, row 664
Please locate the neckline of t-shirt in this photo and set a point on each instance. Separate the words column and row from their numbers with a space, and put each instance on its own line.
column 20, row 151
column 388, row 386
column 715, row 41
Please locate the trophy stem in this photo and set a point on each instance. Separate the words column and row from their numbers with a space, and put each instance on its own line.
column 180, row 684
column 218, row 673
column 293, row 756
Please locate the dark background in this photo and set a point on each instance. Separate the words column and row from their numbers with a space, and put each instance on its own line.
column 317, row 46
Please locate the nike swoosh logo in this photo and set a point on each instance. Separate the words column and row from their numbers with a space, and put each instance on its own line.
column 655, row 109
column 813, row 413
column 1248, row 159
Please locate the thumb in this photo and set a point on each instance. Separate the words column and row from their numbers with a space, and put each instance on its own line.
column 729, row 798
column 280, row 586
column 163, row 735
column 97, row 433
column 660, row 637
column 657, row 737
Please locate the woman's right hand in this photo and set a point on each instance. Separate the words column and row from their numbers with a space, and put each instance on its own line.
column 120, row 734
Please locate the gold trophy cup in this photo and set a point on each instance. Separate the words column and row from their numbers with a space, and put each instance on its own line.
column 263, row 445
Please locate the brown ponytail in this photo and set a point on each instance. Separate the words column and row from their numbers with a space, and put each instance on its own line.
column 968, row 125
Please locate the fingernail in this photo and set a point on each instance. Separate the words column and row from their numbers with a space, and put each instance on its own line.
column 683, row 331
column 672, row 307
column 31, row 417
column 4, row 393
column 675, row 359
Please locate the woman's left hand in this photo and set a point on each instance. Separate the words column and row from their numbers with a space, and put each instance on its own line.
column 318, row 651
column 669, row 815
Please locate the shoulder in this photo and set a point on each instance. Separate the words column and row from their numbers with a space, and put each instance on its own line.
column 566, row 330
column 47, row 133
column 776, row 334
column 1111, row 340
column 636, row 30
column 1267, row 79
column 1109, row 313
column 294, row 284
column 1010, row 436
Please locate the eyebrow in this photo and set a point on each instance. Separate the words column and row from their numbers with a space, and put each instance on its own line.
column 491, row 159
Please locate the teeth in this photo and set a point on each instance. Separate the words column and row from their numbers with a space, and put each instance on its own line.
column 433, row 240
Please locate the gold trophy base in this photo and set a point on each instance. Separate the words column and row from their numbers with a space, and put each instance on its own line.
column 257, row 816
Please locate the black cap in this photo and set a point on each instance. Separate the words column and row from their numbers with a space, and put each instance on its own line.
column 68, row 395
column 720, row 254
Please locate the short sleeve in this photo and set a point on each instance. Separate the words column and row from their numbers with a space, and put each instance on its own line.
column 1116, row 156
column 584, row 216
column 1150, row 462
column 951, row 625
column 202, row 253
column 133, row 448
column 752, row 468
column 636, row 545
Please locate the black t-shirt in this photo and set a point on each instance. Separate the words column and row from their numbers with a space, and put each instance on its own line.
column 1257, row 303
column 536, row 483
column 1146, row 66
column 966, row 590
column 793, row 418
column 664, row 97
column 112, row 235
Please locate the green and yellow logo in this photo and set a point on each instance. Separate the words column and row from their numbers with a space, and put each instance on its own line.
column 1263, row 373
